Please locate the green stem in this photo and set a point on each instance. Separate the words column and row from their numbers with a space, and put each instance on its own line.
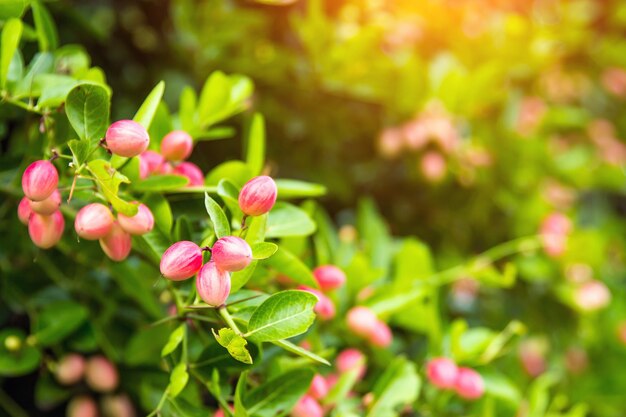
column 229, row 319
column 19, row 103
column 157, row 410
column 10, row 406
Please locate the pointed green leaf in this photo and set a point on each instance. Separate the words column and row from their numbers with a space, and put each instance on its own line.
column 148, row 109
column 80, row 150
column 286, row 220
column 46, row 30
column 278, row 394
column 178, row 380
column 87, row 108
column 175, row 338
column 234, row 343
column 290, row 347
column 263, row 250
column 11, row 35
column 255, row 151
column 161, row 183
column 290, row 265
column 219, row 219
column 299, row 189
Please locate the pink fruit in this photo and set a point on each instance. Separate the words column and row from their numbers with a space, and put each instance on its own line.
column 213, row 284
column 101, row 374
column 350, row 359
column 191, row 171
column 117, row 244
column 139, row 224
column 127, row 138
column 180, row 261
column 82, row 406
column 70, row 369
column 433, row 166
column 48, row 205
column 176, row 145
column 442, row 372
column 39, row 180
column 307, row 407
column 325, row 308
column 592, row 295
column 117, row 406
column 231, row 253
column 469, row 384
column 23, row 210
column 554, row 231
column 362, row 321
column 318, row 388
column 258, row 196
column 94, row 221
column 381, row 336
column 329, row 277
column 532, row 356
column 46, row 231
column 150, row 162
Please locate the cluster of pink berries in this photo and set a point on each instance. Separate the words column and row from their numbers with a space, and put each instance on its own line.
column 364, row 323
column 101, row 376
column 39, row 209
column 183, row 259
column 445, row 374
column 329, row 278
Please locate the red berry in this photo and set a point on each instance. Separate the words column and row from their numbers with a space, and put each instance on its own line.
column 39, row 180
column 213, row 284
column 127, row 138
column 231, row 253
column 180, row 261
column 139, row 224
column 176, row 146
column 117, row 244
column 46, row 231
column 442, row 372
column 258, row 196
column 469, row 384
column 94, row 221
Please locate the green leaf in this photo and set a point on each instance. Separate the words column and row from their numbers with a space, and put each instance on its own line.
column 299, row 189
column 295, row 349
column 80, row 150
column 344, row 384
column 240, row 392
column 230, row 194
column 12, row 8
column 176, row 337
column 136, row 281
column 187, row 108
column 218, row 132
column 144, row 346
column 21, row 361
column 290, row 265
column 398, row 386
column 161, row 183
column 219, row 219
column 46, row 30
column 283, row 315
column 263, row 250
column 236, row 172
column 109, row 180
column 146, row 112
column 234, row 343
column 178, row 380
column 278, row 394
column 255, row 151
column 11, row 35
column 57, row 321
column 87, row 108
column 54, row 90
column 288, row 220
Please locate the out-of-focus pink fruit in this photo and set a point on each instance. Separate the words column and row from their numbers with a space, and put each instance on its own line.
column 592, row 295
column 139, row 224
column 23, row 210
column 39, row 180
column 350, row 359
column 127, row 138
column 231, row 253
column 117, row 244
column 213, row 284
column 381, row 336
column 48, row 205
column 94, row 221
column 329, row 277
column 258, row 196
column 362, row 321
column 433, row 166
column 70, row 369
column 150, row 162
column 576, row 360
column 554, row 230
column 117, row 406
column 532, row 356
column 325, row 308
column 318, row 388
column 82, row 406
column 176, row 145
column 191, row 171
column 180, row 261
column 307, row 407
column 101, row 375
column 621, row 332
column 469, row 384
column 46, row 231
column 614, row 80
column 442, row 372
column 390, row 142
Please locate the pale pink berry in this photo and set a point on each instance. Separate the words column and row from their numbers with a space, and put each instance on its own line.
column 325, row 308
column 117, row 406
column 23, row 210
column 117, row 244
column 150, row 162
column 219, row 413
column 469, row 384
column 258, row 196
column 139, row 224
column 318, row 388
column 329, row 277
column 176, row 145
column 180, row 261
column 350, row 359
column 127, row 138
column 101, row 374
column 39, row 180
column 433, row 166
column 576, row 360
column 231, row 253
column 307, row 407
column 191, row 171
column 592, row 295
column 48, row 205
column 70, row 369
column 614, row 81
column 213, row 284
column 554, row 231
column 532, row 356
column 82, row 406
column 381, row 336
column 361, row 321
column 165, row 169
column 94, row 221
column 332, row 379
column 442, row 372
column 46, row 231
